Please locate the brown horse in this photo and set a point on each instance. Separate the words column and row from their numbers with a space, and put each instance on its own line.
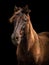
column 31, row 47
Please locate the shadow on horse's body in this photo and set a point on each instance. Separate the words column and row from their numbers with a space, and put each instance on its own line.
column 32, row 48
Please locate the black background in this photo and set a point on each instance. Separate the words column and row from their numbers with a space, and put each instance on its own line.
column 39, row 18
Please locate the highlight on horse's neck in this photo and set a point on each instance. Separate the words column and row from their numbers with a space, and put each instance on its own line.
column 31, row 35
column 31, row 28
column 33, row 40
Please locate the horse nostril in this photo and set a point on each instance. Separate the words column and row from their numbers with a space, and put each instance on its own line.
column 16, row 38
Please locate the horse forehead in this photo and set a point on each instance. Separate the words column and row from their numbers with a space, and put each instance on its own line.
column 20, row 19
column 18, row 24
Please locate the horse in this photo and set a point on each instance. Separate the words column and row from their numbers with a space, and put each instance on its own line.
column 32, row 47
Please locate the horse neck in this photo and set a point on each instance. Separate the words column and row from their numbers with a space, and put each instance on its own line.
column 32, row 37
column 34, row 43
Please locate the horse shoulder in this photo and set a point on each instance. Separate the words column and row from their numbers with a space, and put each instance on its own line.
column 44, row 43
column 44, row 37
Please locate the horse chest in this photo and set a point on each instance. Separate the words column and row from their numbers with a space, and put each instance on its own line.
column 37, row 53
column 23, row 56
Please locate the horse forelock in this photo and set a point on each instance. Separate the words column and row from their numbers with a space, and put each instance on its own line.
column 18, row 10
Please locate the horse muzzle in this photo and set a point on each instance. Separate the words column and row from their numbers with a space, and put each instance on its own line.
column 15, row 39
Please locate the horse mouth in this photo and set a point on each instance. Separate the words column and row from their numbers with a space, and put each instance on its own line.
column 14, row 42
column 18, row 42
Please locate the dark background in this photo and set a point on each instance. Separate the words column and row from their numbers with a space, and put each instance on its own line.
column 39, row 17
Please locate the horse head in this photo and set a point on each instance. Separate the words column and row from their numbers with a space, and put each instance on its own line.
column 20, row 19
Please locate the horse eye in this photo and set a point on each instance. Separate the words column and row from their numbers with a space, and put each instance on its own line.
column 25, row 20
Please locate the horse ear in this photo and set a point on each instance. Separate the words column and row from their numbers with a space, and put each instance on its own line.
column 28, row 8
column 15, row 8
